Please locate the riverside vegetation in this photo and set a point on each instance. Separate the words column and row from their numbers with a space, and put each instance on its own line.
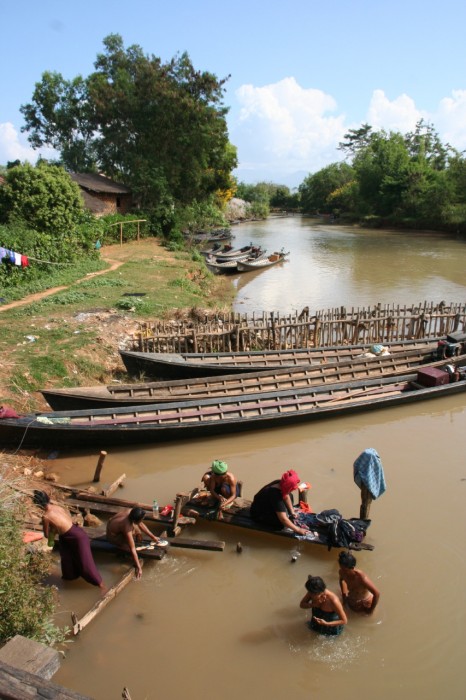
column 71, row 337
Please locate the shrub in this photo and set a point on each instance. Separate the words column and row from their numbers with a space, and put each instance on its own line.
column 26, row 605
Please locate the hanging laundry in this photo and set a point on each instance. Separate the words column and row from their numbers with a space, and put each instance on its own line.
column 18, row 259
column 24, row 261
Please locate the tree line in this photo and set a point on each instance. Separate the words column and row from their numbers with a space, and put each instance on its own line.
column 411, row 180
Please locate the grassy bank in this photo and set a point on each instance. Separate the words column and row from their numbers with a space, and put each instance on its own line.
column 70, row 337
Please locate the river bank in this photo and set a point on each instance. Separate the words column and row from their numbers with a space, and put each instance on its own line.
column 70, row 336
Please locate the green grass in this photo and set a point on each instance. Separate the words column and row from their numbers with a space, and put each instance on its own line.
column 67, row 351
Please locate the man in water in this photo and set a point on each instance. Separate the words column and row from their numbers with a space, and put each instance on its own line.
column 328, row 616
column 121, row 529
column 221, row 483
column 74, row 545
column 357, row 590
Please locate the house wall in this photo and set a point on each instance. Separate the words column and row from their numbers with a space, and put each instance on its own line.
column 114, row 204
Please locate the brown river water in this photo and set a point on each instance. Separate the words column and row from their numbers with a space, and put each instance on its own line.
column 223, row 624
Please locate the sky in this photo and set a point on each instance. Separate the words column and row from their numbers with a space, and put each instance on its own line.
column 302, row 73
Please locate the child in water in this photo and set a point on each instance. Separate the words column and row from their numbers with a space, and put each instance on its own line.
column 357, row 590
column 328, row 616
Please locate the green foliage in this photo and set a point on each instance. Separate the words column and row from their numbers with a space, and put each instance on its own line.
column 26, row 605
column 158, row 127
column 133, row 304
column 50, row 264
column 44, row 197
column 316, row 191
column 199, row 216
column 411, row 181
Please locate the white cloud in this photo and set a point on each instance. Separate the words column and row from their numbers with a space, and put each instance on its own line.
column 284, row 128
column 450, row 119
column 12, row 148
column 400, row 114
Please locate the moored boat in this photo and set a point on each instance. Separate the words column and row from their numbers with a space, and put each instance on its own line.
column 188, row 365
column 201, row 418
column 240, row 384
column 262, row 262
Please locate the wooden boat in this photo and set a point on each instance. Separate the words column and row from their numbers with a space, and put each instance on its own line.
column 239, row 384
column 238, row 515
column 262, row 262
column 227, row 267
column 224, row 253
column 187, row 419
column 188, row 365
column 223, row 234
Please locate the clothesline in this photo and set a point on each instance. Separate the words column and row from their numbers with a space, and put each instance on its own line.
column 21, row 260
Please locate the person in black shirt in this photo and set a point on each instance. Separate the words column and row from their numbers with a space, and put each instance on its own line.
column 272, row 505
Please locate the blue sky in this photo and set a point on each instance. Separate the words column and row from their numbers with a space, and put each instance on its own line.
column 302, row 72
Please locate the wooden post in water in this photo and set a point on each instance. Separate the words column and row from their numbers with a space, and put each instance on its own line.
column 99, row 466
column 366, row 500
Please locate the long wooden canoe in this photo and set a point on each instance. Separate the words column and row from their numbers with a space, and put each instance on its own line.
column 238, row 515
column 188, row 419
column 240, row 384
column 160, row 366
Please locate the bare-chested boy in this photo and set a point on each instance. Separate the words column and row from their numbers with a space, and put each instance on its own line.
column 121, row 529
column 73, row 543
column 357, row 589
column 221, row 483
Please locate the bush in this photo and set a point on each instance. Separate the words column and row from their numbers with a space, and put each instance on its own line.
column 26, row 605
column 43, row 196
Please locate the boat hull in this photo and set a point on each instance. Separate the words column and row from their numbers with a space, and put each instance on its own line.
column 188, row 365
column 191, row 419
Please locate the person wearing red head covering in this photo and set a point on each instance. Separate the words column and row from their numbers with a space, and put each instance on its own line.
column 272, row 505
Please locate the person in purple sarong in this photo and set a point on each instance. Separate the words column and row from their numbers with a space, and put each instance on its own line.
column 73, row 543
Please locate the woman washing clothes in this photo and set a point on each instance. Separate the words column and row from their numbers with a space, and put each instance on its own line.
column 272, row 505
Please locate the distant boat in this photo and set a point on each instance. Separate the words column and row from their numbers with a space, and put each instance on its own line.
column 229, row 264
column 223, row 253
column 262, row 262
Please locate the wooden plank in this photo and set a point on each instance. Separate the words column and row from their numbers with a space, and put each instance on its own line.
column 31, row 656
column 101, row 604
column 238, row 515
column 16, row 684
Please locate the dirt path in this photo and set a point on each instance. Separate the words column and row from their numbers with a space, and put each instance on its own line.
column 114, row 265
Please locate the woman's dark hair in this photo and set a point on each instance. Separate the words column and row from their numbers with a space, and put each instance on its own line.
column 136, row 515
column 315, row 584
column 41, row 498
column 347, row 560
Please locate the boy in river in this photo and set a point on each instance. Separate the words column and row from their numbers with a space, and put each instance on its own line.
column 121, row 529
column 357, row 590
column 73, row 543
column 221, row 483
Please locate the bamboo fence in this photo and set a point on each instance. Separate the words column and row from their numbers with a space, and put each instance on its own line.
column 235, row 332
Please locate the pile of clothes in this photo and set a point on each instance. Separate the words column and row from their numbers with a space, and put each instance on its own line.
column 337, row 531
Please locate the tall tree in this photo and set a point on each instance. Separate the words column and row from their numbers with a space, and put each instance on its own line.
column 158, row 127
column 316, row 190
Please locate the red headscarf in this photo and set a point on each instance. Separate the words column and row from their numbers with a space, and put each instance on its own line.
column 289, row 482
